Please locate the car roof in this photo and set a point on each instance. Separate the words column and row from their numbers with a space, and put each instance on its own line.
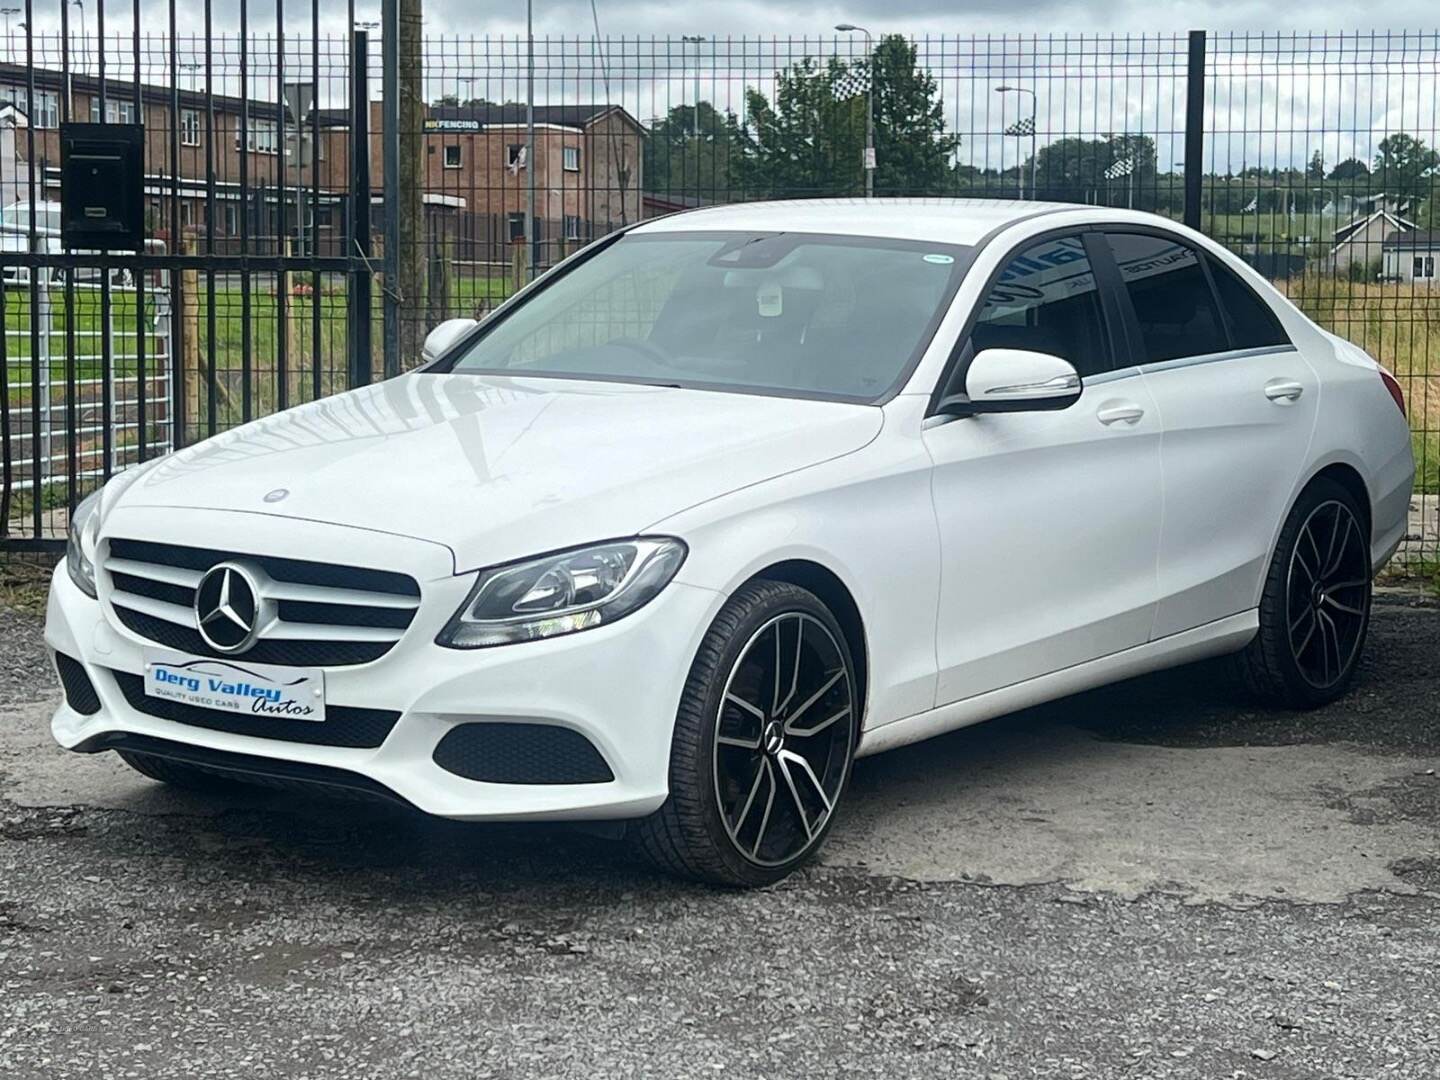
column 946, row 221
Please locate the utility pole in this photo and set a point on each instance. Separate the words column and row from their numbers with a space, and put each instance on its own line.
column 850, row 28
column 410, row 174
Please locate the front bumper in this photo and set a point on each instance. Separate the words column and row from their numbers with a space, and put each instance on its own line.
column 618, row 685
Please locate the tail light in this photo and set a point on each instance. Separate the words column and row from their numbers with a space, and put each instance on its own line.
column 1393, row 385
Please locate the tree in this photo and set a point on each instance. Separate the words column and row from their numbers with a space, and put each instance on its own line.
column 811, row 139
column 913, row 153
column 1073, row 170
column 1351, row 169
column 1403, row 165
column 1316, row 169
column 809, row 142
column 688, row 152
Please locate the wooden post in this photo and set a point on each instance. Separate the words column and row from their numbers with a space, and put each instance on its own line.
column 518, row 267
column 188, row 305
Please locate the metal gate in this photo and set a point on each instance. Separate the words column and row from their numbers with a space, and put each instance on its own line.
column 252, row 291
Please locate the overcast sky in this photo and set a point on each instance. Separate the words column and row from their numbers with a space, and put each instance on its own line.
column 802, row 17
column 922, row 16
column 1280, row 106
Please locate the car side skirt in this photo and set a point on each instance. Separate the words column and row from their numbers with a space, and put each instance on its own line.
column 1213, row 639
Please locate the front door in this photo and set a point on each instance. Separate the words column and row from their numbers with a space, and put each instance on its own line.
column 1049, row 521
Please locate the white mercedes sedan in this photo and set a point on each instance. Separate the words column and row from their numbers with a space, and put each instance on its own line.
column 733, row 497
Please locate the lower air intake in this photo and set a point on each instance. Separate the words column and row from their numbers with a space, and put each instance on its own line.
column 80, row 692
column 521, row 754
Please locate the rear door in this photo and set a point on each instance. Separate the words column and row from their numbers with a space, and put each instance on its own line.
column 1237, row 403
column 1049, row 521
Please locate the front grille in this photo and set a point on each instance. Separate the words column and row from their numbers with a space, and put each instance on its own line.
column 343, row 725
column 326, row 615
column 521, row 754
column 80, row 692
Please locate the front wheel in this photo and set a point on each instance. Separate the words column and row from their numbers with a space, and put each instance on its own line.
column 764, row 739
column 1315, row 608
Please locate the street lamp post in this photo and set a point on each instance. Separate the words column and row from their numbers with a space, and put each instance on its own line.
column 696, row 40
column 1034, row 157
column 84, row 41
column 851, row 28
column 9, row 41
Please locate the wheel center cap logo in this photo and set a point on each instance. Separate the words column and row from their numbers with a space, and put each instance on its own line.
column 774, row 737
column 227, row 608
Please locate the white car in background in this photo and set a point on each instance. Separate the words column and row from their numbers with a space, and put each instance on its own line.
column 736, row 496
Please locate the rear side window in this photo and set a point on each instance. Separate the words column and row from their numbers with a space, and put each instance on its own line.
column 1253, row 325
column 1045, row 300
column 1171, row 296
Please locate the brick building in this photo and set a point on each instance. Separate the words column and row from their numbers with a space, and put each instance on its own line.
column 588, row 162
column 249, row 185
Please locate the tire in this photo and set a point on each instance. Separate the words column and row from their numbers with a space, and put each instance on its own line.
column 178, row 774
column 1312, row 632
column 718, row 825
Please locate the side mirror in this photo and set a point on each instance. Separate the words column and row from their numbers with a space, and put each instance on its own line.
column 439, row 340
column 1015, row 380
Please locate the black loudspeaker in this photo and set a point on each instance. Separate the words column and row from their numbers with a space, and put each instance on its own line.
column 102, row 186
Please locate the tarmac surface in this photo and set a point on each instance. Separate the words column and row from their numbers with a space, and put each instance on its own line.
column 1151, row 880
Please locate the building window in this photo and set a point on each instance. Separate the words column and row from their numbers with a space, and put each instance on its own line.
column 572, row 159
column 1417, row 268
column 572, row 226
column 189, row 127
column 261, row 136
column 452, row 157
column 515, row 155
column 232, row 219
column 47, row 105
column 116, row 112
column 187, row 214
column 517, row 227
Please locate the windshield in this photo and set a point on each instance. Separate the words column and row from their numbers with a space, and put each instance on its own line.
column 808, row 315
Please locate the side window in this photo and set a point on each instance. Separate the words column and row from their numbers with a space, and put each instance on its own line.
column 1252, row 324
column 1171, row 296
column 1046, row 300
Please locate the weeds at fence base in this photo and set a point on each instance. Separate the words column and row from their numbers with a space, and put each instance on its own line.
column 25, row 582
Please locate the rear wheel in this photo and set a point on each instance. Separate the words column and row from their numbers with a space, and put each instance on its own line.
column 763, row 742
column 1315, row 609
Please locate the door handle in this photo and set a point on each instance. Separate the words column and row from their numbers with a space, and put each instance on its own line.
column 1283, row 391
column 1119, row 411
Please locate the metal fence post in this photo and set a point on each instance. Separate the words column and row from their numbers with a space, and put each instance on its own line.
column 390, row 153
column 1194, row 127
column 43, row 315
column 362, row 358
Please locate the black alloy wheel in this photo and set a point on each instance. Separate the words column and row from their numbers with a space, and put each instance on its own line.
column 764, row 739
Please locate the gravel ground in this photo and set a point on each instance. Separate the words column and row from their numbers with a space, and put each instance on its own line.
column 169, row 935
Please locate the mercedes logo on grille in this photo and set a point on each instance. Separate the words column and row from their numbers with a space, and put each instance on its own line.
column 227, row 608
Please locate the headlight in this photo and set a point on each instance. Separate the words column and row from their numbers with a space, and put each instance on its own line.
column 563, row 593
column 80, row 543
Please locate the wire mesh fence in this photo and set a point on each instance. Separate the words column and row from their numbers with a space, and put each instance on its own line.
column 1312, row 156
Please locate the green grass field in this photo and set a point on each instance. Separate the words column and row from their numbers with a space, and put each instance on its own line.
column 1399, row 325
